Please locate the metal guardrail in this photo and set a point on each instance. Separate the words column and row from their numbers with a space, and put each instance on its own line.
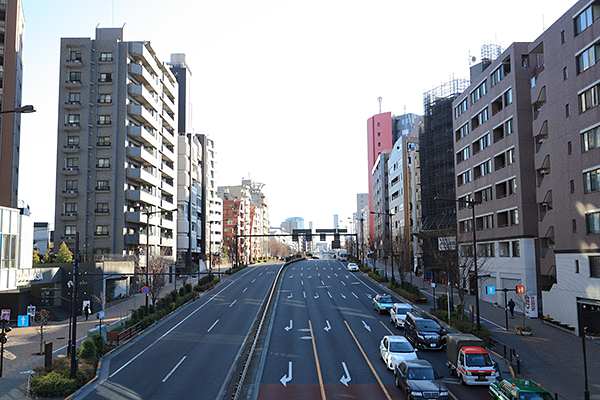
column 128, row 333
column 509, row 354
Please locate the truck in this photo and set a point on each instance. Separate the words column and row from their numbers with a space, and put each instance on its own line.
column 468, row 359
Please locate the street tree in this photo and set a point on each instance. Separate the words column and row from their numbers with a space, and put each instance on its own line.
column 64, row 255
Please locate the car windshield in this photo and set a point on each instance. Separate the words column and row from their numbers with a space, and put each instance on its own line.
column 428, row 326
column 401, row 347
column 479, row 360
column 535, row 396
column 421, row 374
column 385, row 299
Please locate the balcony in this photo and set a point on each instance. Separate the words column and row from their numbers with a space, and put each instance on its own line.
column 167, row 242
column 168, row 153
column 73, row 127
column 142, row 94
column 73, row 105
column 135, row 216
column 143, row 155
column 142, row 175
column 143, row 196
column 142, row 115
column 167, row 188
column 143, row 134
column 73, row 83
column 70, row 171
column 71, row 149
column 69, row 216
column 142, row 73
column 70, row 193
column 168, row 119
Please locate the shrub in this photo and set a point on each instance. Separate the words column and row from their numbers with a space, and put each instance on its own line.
column 100, row 344
column 188, row 287
column 182, row 292
column 151, row 309
column 471, row 327
column 174, row 295
column 88, row 349
column 55, row 384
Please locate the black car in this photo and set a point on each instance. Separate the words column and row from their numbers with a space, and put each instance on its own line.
column 418, row 380
column 423, row 332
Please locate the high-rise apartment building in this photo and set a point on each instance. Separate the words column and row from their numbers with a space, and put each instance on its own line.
column 493, row 151
column 116, row 182
column 12, row 26
column 199, row 221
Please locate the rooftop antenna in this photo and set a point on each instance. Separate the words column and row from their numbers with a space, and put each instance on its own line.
column 113, row 13
column 379, row 99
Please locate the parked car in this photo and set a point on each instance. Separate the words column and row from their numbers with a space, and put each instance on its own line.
column 398, row 313
column 518, row 389
column 382, row 303
column 424, row 332
column 352, row 267
column 394, row 349
column 418, row 380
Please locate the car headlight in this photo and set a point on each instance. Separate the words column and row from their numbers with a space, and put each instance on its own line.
column 416, row 394
column 421, row 336
column 444, row 393
column 469, row 372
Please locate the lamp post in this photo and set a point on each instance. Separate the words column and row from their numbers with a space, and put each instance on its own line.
column 148, row 215
column 472, row 204
column 389, row 215
column 21, row 110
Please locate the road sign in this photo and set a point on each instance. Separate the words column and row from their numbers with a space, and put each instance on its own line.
column 31, row 311
column 145, row 289
column 101, row 315
column 490, row 289
column 520, row 289
column 5, row 315
column 23, row 320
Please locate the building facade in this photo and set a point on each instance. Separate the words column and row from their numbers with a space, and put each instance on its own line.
column 117, row 145
column 381, row 206
column 12, row 27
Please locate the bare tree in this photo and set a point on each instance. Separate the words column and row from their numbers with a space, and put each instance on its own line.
column 158, row 268
column 43, row 317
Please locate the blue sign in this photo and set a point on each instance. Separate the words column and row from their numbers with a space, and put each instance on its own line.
column 23, row 320
column 490, row 289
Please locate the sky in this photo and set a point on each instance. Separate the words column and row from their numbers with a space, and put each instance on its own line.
column 284, row 88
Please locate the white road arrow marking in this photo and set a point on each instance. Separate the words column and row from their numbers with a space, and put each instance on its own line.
column 328, row 327
column 310, row 276
column 317, row 296
column 291, row 276
column 369, row 295
column 367, row 327
column 287, row 328
column 346, row 378
column 290, row 296
column 286, row 378
column 343, row 295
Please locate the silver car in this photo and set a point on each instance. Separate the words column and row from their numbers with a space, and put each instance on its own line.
column 395, row 349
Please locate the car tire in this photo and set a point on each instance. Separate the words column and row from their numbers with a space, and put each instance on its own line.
column 461, row 380
column 397, row 381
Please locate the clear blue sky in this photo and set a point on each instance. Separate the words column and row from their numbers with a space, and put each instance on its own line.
column 283, row 87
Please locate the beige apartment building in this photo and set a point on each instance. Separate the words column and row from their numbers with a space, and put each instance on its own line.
column 117, row 147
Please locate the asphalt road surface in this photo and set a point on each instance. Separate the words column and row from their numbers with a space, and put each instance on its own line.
column 324, row 340
column 190, row 354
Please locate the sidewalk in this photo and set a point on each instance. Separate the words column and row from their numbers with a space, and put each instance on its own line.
column 551, row 357
column 21, row 350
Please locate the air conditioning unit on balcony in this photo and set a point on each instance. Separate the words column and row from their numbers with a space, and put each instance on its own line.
column 543, row 172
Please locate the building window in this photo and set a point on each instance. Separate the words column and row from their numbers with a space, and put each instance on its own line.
column 569, row 148
column 576, row 266
column 75, row 55
column 481, row 143
column 513, row 217
column 102, row 208
column 101, row 230
column 508, row 97
column 565, row 74
column 487, row 249
column 510, row 128
column 484, row 195
column 480, row 118
column 105, row 98
column 463, row 155
column 592, row 221
column 510, row 156
column 588, row 99
column 104, row 120
column 462, row 132
column 72, row 141
column 588, row 58
column 464, row 178
column 379, row 123
column 500, row 72
column 461, row 108
column 74, row 98
column 591, row 180
column 572, row 182
column 70, row 208
column 590, row 139
column 74, row 76
column 73, row 119
column 102, row 184
column 516, row 249
column 574, row 225
column 594, row 266
column 563, row 37
column 479, row 92
column 567, row 110
column 73, row 162
column 71, row 185
column 70, row 230
column 105, row 77
column 482, row 169
column 106, row 56
column 587, row 17
column 103, row 141
column 103, row 163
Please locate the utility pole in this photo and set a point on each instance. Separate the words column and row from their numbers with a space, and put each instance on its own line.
column 75, row 290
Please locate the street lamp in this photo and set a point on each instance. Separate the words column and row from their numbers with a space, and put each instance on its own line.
column 148, row 215
column 472, row 204
column 21, row 110
column 389, row 215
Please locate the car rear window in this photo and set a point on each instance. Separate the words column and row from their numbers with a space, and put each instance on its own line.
column 385, row 299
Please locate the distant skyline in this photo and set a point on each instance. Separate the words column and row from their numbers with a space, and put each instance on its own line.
column 284, row 89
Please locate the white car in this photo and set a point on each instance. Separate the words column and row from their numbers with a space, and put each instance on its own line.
column 352, row 267
column 398, row 313
column 395, row 349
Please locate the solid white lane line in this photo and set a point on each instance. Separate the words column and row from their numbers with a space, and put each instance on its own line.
column 213, row 325
column 173, row 370
column 232, row 303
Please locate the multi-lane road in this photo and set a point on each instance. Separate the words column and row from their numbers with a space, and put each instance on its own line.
column 319, row 341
